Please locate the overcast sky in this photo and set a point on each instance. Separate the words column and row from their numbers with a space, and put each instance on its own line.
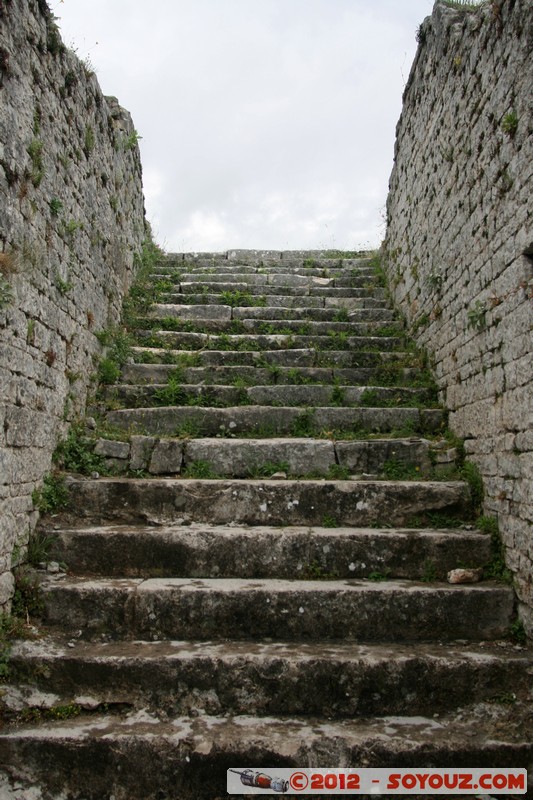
column 265, row 123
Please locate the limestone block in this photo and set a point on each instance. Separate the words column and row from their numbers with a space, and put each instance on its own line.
column 141, row 451
column 167, row 457
column 7, row 587
column 241, row 458
column 112, row 449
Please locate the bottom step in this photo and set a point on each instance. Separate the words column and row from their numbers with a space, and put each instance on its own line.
column 138, row 757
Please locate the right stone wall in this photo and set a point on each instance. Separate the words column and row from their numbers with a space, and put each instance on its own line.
column 459, row 247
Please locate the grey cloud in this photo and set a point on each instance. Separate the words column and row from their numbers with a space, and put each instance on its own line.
column 265, row 123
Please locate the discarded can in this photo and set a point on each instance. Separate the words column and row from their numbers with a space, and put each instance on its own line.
column 262, row 781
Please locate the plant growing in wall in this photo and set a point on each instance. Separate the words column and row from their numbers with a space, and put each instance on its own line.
column 56, row 206
column 131, row 141
column 477, row 316
column 35, row 152
column 6, row 293
column 89, row 141
column 510, row 123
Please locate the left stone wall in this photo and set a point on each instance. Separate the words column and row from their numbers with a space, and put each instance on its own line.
column 71, row 228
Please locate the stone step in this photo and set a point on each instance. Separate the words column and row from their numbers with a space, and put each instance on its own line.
column 266, row 502
column 290, row 357
column 253, row 458
column 321, row 287
column 158, row 322
column 274, row 314
column 199, row 341
column 358, row 298
column 240, row 272
column 188, row 757
column 237, row 608
column 267, row 421
column 210, row 551
column 272, row 257
column 235, row 271
column 249, row 375
column 266, row 679
column 279, row 395
column 267, row 277
column 314, row 269
column 332, row 315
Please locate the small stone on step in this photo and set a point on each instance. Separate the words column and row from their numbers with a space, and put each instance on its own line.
column 464, row 575
column 279, row 476
column 53, row 567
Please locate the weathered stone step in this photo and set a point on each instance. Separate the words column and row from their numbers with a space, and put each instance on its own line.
column 210, row 551
column 253, row 458
column 198, row 341
column 296, row 286
column 236, row 271
column 294, row 610
column 250, row 375
column 264, row 679
column 300, row 266
column 188, row 757
column 290, row 357
column 381, row 315
column 264, row 502
column 265, row 421
column 358, row 298
column 226, row 313
column 272, row 257
column 270, row 262
column 279, row 395
column 159, row 321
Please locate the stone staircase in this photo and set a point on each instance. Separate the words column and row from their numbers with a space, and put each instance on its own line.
column 262, row 582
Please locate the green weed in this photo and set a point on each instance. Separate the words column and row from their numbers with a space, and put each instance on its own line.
column 242, row 299
column 338, row 473
column 40, row 545
column 76, row 453
column 199, row 469
column 130, row 141
column 28, row 598
column 11, row 627
column 303, row 424
column 338, row 396
column 517, row 633
column 496, row 569
column 429, row 574
column 341, row 315
column 471, row 474
column 52, row 496
column 378, row 576
column 6, row 293
column 88, row 141
column 270, row 468
column 38, row 714
column 396, row 470
column 108, row 372
column 316, row 572
column 477, row 316
column 56, row 206
column 510, row 123
column 35, row 152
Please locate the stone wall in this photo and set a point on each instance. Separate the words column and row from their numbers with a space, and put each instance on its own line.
column 71, row 224
column 459, row 245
